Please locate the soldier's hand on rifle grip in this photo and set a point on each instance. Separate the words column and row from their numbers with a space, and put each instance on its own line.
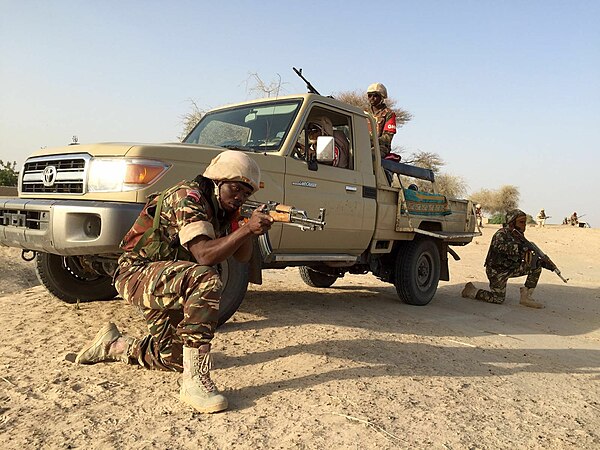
column 260, row 222
column 528, row 256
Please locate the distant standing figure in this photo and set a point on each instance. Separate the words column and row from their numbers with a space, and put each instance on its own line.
column 479, row 215
column 386, row 118
column 509, row 257
column 574, row 220
column 541, row 218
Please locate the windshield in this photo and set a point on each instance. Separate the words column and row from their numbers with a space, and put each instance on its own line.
column 255, row 128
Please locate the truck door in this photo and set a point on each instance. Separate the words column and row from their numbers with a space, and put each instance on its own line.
column 338, row 190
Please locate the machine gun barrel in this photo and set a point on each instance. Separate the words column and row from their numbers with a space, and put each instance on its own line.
column 309, row 86
column 286, row 214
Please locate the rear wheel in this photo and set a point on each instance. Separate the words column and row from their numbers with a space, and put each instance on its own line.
column 417, row 271
column 68, row 278
column 316, row 279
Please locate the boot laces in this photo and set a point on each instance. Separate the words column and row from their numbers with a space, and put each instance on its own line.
column 202, row 368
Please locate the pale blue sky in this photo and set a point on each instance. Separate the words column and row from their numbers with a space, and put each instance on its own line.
column 507, row 92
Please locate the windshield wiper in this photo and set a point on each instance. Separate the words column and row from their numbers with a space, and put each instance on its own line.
column 244, row 148
column 237, row 147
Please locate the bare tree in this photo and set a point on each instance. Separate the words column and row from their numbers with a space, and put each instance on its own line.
column 254, row 83
column 428, row 160
column 190, row 119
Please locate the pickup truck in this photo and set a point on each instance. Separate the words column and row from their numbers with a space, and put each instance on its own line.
column 75, row 203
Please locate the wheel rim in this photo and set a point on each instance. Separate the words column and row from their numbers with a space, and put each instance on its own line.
column 76, row 269
column 424, row 272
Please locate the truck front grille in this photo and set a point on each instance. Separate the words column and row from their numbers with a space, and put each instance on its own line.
column 55, row 174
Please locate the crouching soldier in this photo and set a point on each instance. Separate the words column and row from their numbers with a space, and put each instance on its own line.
column 509, row 257
column 168, row 272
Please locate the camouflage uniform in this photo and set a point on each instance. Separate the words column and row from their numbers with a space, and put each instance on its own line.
column 178, row 297
column 386, row 128
column 507, row 258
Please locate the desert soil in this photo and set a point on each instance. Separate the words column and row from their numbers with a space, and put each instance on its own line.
column 349, row 367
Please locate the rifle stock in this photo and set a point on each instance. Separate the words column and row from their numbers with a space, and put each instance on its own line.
column 285, row 214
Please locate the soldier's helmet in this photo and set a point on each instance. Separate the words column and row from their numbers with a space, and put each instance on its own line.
column 232, row 165
column 513, row 215
column 377, row 88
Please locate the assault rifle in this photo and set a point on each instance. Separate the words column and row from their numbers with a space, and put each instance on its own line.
column 309, row 86
column 285, row 214
column 547, row 262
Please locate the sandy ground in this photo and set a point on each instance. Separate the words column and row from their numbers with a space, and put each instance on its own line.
column 349, row 367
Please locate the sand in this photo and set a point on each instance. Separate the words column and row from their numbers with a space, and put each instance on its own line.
column 348, row 367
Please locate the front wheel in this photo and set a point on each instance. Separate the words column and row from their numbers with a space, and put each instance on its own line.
column 417, row 272
column 234, row 276
column 68, row 279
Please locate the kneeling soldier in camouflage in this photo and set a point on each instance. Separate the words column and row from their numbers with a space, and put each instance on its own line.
column 509, row 257
column 168, row 271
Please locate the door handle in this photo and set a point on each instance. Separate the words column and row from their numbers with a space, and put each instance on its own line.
column 351, row 188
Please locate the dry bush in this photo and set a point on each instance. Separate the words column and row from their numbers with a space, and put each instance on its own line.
column 190, row 120
column 358, row 98
column 497, row 201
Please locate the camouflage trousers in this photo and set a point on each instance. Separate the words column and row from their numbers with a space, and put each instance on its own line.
column 499, row 278
column 180, row 302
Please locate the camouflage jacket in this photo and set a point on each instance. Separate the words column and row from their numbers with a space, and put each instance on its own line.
column 185, row 211
column 386, row 128
column 506, row 251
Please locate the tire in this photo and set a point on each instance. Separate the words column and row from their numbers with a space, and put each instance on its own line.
column 66, row 279
column 417, row 272
column 234, row 276
column 316, row 279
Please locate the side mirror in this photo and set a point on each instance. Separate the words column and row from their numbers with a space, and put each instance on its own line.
column 325, row 149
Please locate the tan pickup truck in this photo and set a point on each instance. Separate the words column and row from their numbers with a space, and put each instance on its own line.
column 76, row 202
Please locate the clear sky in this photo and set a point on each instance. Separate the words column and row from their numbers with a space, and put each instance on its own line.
column 507, row 92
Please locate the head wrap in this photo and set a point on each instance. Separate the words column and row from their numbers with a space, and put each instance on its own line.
column 514, row 214
column 324, row 123
column 232, row 165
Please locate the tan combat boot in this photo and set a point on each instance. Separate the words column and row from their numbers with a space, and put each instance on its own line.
column 469, row 291
column 197, row 389
column 108, row 345
column 526, row 299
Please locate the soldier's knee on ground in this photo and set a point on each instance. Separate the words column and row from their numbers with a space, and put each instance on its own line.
column 489, row 297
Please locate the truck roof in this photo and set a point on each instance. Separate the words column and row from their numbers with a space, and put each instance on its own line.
column 306, row 98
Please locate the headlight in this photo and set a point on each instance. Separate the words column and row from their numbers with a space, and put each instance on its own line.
column 120, row 174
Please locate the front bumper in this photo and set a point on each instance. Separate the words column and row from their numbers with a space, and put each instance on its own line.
column 65, row 227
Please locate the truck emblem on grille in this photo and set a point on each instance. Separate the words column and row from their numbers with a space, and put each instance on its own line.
column 49, row 175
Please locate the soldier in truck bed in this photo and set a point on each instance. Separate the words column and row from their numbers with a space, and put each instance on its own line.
column 509, row 257
column 386, row 118
column 168, row 271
